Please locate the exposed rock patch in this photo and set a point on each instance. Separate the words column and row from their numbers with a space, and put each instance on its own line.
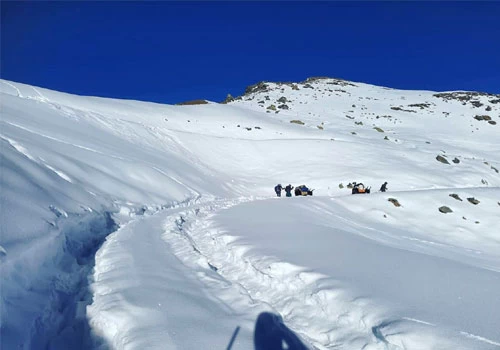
column 473, row 200
column 456, row 196
column 442, row 159
column 394, row 201
column 482, row 117
column 228, row 99
column 192, row 102
column 444, row 209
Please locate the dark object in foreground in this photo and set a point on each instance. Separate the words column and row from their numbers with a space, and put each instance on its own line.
column 303, row 190
column 272, row 334
column 360, row 188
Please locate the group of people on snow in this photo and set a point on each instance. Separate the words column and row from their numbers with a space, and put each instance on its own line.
column 288, row 189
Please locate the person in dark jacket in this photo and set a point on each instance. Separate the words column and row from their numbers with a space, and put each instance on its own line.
column 288, row 190
column 278, row 188
column 383, row 188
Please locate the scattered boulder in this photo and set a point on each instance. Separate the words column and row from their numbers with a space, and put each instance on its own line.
column 473, row 200
column 476, row 104
column 261, row 86
column 456, row 160
column 295, row 121
column 320, row 127
column 378, row 129
column 444, row 209
column 295, row 87
column 386, row 138
column 420, row 105
column 341, row 185
column 403, row 110
column 394, row 201
column 283, row 107
column 282, row 99
column 271, row 107
column 482, row 117
column 464, row 96
column 488, row 108
column 442, row 159
column 456, row 196
column 492, row 122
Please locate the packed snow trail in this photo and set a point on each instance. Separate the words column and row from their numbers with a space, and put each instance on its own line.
column 144, row 296
column 352, row 292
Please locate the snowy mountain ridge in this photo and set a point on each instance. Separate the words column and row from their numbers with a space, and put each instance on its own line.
column 129, row 224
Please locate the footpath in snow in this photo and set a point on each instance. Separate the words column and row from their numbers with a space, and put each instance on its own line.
column 341, row 283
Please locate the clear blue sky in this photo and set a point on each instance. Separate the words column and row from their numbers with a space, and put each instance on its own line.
column 174, row 51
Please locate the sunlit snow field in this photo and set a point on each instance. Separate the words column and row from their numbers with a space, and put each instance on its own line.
column 133, row 225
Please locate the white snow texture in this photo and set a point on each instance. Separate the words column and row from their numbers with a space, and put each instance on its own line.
column 134, row 225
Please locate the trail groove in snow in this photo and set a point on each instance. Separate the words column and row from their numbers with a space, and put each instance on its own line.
column 321, row 309
column 58, row 281
column 311, row 304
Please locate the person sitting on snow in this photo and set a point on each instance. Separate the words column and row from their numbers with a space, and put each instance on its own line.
column 384, row 187
column 288, row 190
column 278, row 188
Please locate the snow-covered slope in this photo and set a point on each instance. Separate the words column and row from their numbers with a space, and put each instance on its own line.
column 127, row 224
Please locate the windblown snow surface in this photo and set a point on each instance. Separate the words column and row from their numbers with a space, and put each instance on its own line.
column 133, row 225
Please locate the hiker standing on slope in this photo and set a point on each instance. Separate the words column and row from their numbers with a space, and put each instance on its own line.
column 384, row 187
column 288, row 190
column 278, row 188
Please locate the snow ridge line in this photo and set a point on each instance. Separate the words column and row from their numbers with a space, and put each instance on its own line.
column 323, row 314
